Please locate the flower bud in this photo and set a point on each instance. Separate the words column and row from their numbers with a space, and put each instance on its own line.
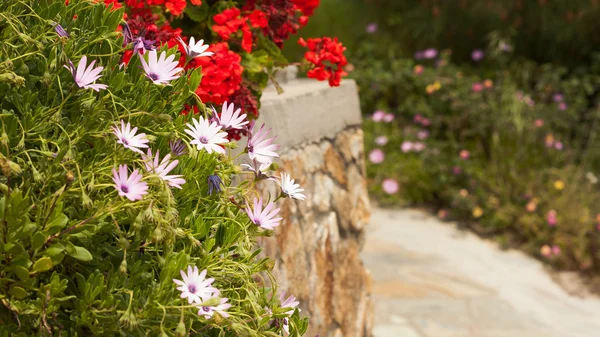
column 181, row 330
column 123, row 267
column 69, row 177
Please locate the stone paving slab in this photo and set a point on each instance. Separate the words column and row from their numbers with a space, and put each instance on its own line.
column 432, row 280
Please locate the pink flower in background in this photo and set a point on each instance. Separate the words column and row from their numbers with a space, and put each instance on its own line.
column 539, row 123
column 423, row 134
column 430, row 53
column 456, row 170
column 425, row 122
column 551, row 218
column 381, row 140
column 418, row 69
column 505, row 47
column 388, row 118
column 557, row 97
column 529, row 101
column 371, row 28
column 546, row 251
column 376, row 156
column 477, row 87
column 598, row 227
column 477, row 55
column 555, row 250
column 562, row 106
column 418, row 118
column 390, row 186
column 406, row 146
column 418, row 146
column 464, row 154
column 378, row 116
column 558, row 146
column 442, row 214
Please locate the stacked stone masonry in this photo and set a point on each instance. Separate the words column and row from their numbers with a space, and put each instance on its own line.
column 316, row 249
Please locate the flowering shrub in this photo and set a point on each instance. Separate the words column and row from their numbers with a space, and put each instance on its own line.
column 117, row 213
column 245, row 38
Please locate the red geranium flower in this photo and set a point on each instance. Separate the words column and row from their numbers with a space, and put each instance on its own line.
column 327, row 56
column 221, row 74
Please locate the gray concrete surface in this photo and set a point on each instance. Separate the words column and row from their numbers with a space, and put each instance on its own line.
column 309, row 110
column 432, row 280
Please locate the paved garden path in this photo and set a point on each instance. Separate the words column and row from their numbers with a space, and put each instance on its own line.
column 432, row 280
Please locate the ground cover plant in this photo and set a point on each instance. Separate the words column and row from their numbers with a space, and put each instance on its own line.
column 117, row 212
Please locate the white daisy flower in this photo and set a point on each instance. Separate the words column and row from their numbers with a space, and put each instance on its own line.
column 162, row 168
column 161, row 70
column 129, row 139
column 230, row 119
column 194, row 50
column 289, row 188
column 206, row 135
column 195, row 287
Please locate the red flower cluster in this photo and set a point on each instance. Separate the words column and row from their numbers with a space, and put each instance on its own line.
column 327, row 56
column 175, row 7
column 221, row 74
column 230, row 22
column 142, row 21
column 283, row 17
column 306, row 6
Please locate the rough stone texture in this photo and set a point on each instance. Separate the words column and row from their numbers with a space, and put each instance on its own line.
column 432, row 280
column 317, row 246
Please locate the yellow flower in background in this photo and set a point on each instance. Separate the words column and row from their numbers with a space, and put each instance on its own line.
column 463, row 193
column 477, row 212
column 429, row 89
column 531, row 206
column 437, row 85
column 488, row 84
column 559, row 185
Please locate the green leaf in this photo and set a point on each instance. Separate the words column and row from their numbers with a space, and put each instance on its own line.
column 81, row 254
column 43, row 264
column 18, row 292
column 54, row 249
column 38, row 240
column 198, row 13
column 21, row 272
column 59, row 222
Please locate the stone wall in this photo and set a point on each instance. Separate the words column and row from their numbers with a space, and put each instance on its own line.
column 317, row 246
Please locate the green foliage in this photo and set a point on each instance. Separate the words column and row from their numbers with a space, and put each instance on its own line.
column 75, row 258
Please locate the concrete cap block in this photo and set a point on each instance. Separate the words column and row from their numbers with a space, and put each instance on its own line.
column 309, row 110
